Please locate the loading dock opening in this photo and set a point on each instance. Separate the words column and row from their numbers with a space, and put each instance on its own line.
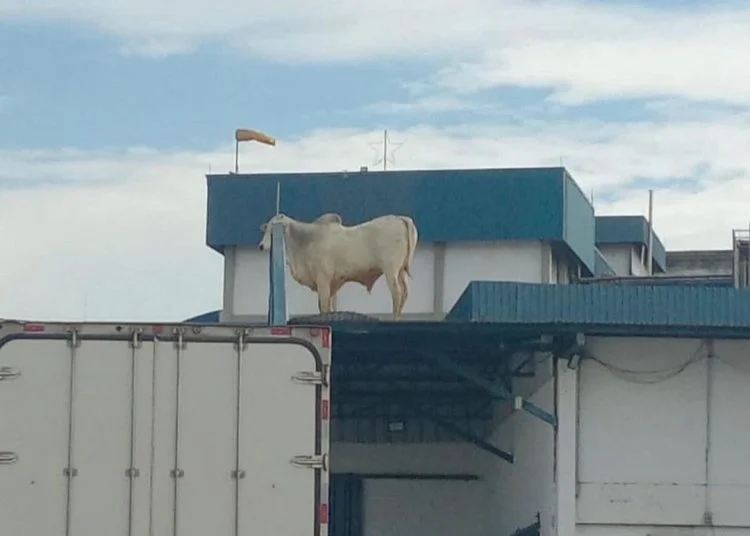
column 420, row 426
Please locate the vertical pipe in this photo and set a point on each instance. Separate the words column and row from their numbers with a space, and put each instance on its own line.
column 278, row 198
column 177, row 472
column 735, row 259
column 707, row 513
column 70, row 471
column 135, row 344
column 277, row 314
column 438, row 287
column 236, row 156
column 650, row 232
column 238, row 474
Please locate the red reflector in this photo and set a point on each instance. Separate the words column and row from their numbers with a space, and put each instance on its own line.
column 326, row 342
column 324, row 409
column 281, row 331
column 33, row 327
column 323, row 514
column 157, row 329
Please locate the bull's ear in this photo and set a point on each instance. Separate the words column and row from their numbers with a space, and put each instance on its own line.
column 264, row 227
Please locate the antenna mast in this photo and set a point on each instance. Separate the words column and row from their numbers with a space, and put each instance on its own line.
column 384, row 158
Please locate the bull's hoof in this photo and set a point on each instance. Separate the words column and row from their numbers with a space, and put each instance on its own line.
column 338, row 316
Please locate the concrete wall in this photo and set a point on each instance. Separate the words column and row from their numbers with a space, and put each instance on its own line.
column 665, row 446
column 418, row 507
column 625, row 259
column 440, row 274
column 718, row 262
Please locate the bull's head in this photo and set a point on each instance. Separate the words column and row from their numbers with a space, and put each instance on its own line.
column 265, row 243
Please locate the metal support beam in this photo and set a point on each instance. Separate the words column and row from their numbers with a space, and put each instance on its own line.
column 277, row 278
column 471, row 438
column 519, row 372
column 495, row 389
column 574, row 352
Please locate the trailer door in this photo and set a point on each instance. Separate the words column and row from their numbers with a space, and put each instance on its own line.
column 240, row 448
column 163, row 430
column 72, row 426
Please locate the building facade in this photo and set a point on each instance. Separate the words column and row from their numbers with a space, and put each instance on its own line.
column 543, row 382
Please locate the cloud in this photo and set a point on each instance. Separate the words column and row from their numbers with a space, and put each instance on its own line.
column 427, row 104
column 578, row 50
column 120, row 235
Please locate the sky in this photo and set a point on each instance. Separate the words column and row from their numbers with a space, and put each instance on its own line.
column 112, row 113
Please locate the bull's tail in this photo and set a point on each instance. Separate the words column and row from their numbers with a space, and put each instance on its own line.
column 412, row 237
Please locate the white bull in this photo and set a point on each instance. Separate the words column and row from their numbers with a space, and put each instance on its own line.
column 325, row 254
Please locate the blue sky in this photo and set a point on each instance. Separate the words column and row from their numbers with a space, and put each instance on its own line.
column 105, row 104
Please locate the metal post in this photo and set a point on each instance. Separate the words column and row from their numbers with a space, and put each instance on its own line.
column 277, row 278
column 650, row 232
column 237, row 156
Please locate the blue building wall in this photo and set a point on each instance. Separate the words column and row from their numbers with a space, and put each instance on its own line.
column 447, row 205
column 578, row 232
column 629, row 230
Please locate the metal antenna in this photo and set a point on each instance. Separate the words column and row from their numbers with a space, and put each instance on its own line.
column 383, row 158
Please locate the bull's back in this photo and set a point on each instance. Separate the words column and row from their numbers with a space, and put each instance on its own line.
column 386, row 240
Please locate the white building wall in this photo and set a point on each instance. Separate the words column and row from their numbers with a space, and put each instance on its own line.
column 521, row 489
column 667, row 445
column 543, row 462
column 625, row 259
column 440, row 275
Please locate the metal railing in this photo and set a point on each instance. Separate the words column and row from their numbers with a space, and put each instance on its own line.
column 741, row 254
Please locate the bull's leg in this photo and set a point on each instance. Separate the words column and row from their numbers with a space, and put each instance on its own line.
column 402, row 280
column 395, row 288
column 324, row 297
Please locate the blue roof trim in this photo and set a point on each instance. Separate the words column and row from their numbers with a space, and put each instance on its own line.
column 447, row 205
column 603, row 304
column 629, row 230
column 579, row 224
column 601, row 265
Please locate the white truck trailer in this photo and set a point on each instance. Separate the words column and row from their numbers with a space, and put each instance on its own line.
column 163, row 430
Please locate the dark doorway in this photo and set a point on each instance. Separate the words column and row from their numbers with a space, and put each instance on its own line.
column 346, row 504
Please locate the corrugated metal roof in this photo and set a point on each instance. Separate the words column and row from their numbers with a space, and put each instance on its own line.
column 447, row 205
column 726, row 281
column 601, row 304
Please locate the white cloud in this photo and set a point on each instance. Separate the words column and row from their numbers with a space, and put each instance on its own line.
column 426, row 104
column 123, row 233
column 579, row 49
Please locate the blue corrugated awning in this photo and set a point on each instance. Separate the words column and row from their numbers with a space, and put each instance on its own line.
column 603, row 304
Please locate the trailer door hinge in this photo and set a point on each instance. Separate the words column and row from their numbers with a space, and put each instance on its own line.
column 311, row 462
column 9, row 373
column 132, row 472
column 306, row 377
column 135, row 338
column 238, row 474
column 74, row 341
column 70, row 472
column 176, row 473
column 8, row 457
